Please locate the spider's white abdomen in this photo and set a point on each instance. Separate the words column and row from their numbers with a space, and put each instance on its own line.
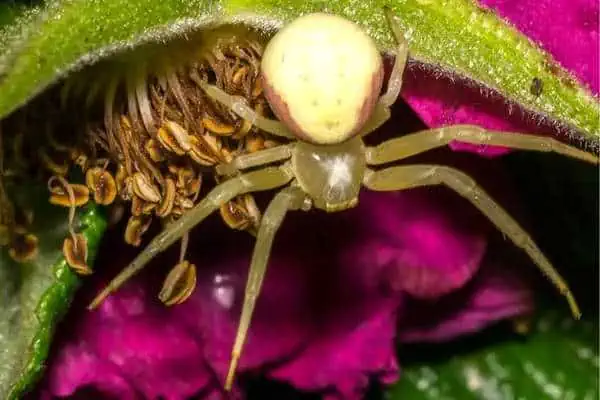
column 322, row 76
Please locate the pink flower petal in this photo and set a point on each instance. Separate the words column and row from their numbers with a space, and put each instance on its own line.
column 326, row 300
column 496, row 294
column 131, row 346
column 428, row 250
column 342, row 358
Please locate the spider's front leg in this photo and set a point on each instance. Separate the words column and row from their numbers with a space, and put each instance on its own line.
column 412, row 176
column 262, row 179
column 381, row 113
column 429, row 139
column 241, row 108
column 400, row 58
column 290, row 198
column 261, row 157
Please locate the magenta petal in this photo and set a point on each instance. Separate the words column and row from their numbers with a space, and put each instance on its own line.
column 278, row 327
column 445, row 102
column 80, row 367
column 431, row 241
column 321, row 298
column 497, row 293
column 342, row 358
column 130, row 346
column 326, row 317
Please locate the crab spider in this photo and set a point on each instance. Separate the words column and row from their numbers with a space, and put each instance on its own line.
column 322, row 76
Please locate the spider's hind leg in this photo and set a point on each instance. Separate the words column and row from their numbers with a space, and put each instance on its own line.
column 412, row 176
column 290, row 198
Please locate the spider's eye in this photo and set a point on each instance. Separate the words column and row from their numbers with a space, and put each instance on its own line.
column 322, row 77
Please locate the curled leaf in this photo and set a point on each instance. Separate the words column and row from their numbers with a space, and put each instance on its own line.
column 456, row 37
column 35, row 294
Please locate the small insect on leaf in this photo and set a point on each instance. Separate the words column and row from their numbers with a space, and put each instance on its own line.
column 75, row 250
column 537, row 86
column 24, row 247
column 102, row 184
column 179, row 284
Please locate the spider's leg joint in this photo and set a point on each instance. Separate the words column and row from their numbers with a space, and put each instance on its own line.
column 240, row 107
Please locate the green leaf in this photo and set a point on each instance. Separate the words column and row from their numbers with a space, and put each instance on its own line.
column 558, row 361
column 8, row 13
column 13, row 16
column 70, row 29
column 481, row 46
column 35, row 295
column 453, row 34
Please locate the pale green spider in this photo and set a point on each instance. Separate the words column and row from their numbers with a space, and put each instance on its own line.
column 322, row 76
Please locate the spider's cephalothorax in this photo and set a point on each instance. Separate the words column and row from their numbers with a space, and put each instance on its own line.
column 327, row 174
column 322, row 77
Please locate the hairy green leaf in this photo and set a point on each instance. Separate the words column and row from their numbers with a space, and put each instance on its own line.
column 35, row 295
column 455, row 35
column 8, row 13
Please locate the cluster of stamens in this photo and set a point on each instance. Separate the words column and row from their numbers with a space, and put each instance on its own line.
column 148, row 145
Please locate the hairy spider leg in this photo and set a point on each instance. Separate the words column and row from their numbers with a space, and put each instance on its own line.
column 419, row 142
column 263, row 179
column 401, row 57
column 290, row 198
column 413, row 176
column 240, row 106
column 256, row 159
column 381, row 112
